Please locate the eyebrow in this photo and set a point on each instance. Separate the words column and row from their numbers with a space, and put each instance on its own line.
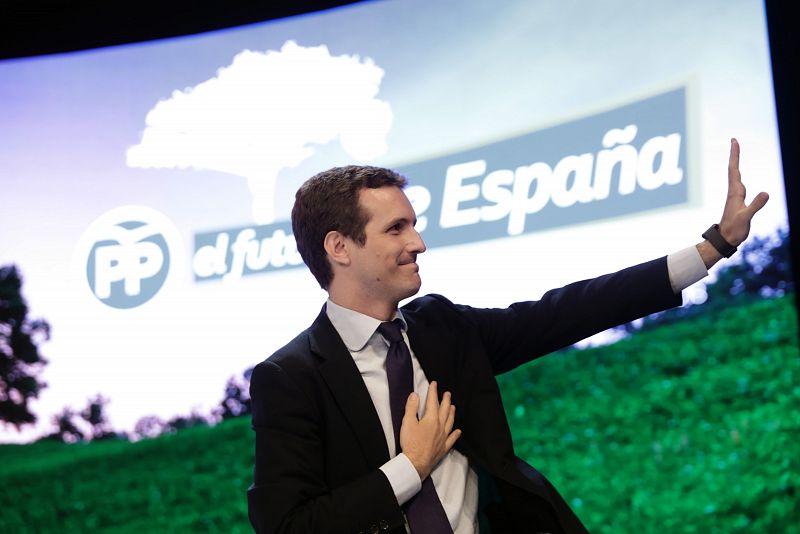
column 398, row 220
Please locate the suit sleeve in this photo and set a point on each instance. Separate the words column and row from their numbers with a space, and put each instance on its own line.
column 527, row 330
column 289, row 493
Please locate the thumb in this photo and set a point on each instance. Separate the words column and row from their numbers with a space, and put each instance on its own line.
column 412, row 404
column 757, row 203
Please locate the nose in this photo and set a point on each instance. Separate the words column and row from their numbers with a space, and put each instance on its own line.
column 417, row 245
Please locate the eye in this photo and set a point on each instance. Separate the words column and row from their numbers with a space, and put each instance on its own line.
column 396, row 228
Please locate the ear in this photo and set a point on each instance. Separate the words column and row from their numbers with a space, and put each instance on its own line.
column 336, row 247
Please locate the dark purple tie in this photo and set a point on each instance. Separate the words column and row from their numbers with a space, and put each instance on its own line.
column 424, row 510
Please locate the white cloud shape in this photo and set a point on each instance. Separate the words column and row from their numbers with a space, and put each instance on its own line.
column 265, row 112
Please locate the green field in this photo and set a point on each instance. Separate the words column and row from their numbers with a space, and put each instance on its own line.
column 691, row 428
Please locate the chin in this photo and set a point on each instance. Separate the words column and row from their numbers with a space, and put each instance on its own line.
column 410, row 291
column 415, row 289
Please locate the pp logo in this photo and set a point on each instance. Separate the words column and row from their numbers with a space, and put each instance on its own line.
column 129, row 253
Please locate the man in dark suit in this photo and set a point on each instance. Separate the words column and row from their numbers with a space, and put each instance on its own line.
column 341, row 445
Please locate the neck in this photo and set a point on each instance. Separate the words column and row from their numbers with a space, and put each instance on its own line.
column 375, row 308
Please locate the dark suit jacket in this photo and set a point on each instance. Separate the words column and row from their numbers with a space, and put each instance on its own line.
column 319, row 443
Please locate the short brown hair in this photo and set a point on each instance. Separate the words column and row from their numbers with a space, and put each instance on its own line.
column 329, row 201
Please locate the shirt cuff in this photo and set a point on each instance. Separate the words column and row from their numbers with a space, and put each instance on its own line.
column 685, row 268
column 403, row 477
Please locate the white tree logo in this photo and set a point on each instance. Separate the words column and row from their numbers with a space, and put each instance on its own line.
column 265, row 112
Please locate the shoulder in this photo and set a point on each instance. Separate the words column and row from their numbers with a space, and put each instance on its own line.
column 434, row 309
column 288, row 377
column 293, row 358
column 426, row 302
column 430, row 305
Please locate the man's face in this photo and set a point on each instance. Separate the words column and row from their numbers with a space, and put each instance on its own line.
column 385, row 266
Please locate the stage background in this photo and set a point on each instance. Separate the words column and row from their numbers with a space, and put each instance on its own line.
column 131, row 172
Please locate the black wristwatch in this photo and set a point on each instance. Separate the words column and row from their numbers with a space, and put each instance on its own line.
column 718, row 242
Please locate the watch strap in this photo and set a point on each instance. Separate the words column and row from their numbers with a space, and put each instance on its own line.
column 714, row 237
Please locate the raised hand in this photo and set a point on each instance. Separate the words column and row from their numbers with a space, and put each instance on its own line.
column 427, row 440
column 736, row 216
column 734, row 226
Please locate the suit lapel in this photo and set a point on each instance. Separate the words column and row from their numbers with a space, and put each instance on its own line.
column 432, row 354
column 438, row 354
column 438, row 360
column 340, row 373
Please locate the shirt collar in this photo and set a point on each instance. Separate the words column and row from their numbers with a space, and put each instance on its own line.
column 354, row 327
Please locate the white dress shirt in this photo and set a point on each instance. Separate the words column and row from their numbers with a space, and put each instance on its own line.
column 455, row 482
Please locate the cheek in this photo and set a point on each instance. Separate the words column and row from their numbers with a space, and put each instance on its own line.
column 385, row 257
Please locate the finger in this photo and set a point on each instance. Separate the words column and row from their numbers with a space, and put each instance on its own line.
column 734, row 176
column 444, row 406
column 757, row 203
column 452, row 438
column 432, row 402
column 412, row 405
column 451, row 419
